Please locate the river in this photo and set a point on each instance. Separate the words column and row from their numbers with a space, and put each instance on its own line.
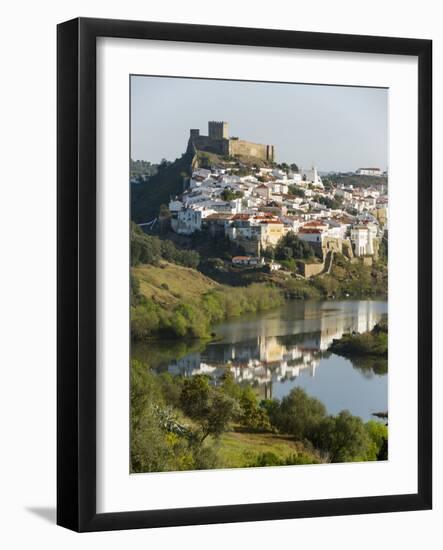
column 286, row 347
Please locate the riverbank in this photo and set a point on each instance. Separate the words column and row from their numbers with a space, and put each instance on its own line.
column 173, row 301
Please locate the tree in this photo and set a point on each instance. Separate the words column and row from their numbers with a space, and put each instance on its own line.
column 344, row 437
column 383, row 249
column 298, row 414
column 163, row 164
column 297, row 191
column 252, row 415
column 208, row 406
column 168, row 251
column 290, row 246
column 334, row 204
column 148, row 249
column 378, row 434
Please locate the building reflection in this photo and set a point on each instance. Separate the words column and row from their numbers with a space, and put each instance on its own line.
column 265, row 359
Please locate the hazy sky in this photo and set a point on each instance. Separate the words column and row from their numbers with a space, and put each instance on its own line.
column 332, row 127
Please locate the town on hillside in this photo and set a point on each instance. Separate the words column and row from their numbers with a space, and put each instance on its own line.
column 255, row 205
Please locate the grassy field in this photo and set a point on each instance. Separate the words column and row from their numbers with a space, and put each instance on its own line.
column 168, row 284
column 238, row 449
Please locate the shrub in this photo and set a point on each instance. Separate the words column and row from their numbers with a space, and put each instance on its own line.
column 344, row 437
column 290, row 246
column 298, row 414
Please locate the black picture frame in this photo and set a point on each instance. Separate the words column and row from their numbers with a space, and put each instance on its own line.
column 76, row 280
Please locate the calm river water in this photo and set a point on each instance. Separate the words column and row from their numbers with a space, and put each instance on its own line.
column 287, row 347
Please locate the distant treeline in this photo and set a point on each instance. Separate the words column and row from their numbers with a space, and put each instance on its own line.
column 142, row 169
column 357, row 181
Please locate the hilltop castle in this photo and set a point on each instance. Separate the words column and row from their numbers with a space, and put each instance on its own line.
column 218, row 141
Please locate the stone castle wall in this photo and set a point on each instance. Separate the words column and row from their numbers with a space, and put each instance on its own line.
column 310, row 270
column 240, row 147
column 217, row 142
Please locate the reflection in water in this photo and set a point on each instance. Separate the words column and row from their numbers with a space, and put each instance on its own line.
column 279, row 349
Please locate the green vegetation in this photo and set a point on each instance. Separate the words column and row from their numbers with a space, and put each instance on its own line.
column 142, row 169
column 229, row 195
column 292, row 247
column 301, row 289
column 160, row 440
column 147, row 197
column 347, row 279
column 211, row 408
column 373, row 343
column 239, row 164
column 178, row 302
column 296, row 190
column 180, row 423
column 335, row 204
column 345, row 438
column 297, row 414
column 146, row 249
column 341, row 438
column 359, row 181
column 239, row 449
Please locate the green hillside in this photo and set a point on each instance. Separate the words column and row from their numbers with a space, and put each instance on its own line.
column 168, row 284
column 147, row 197
column 170, row 300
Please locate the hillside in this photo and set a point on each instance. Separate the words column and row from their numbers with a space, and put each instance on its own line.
column 147, row 197
column 168, row 284
column 206, row 159
column 170, row 300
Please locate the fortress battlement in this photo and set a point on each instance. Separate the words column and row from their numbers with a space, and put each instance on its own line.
column 217, row 141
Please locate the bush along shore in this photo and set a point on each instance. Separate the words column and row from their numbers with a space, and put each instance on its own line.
column 372, row 344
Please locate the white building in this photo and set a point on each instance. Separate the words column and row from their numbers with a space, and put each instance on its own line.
column 362, row 238
column 175, row 205
column 312, row 176
column 263, row 191
column 294, row 177
column 247, row 260
column 368, row 172
column 189, row 220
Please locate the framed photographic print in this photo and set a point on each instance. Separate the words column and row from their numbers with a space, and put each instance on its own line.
column 244, row 274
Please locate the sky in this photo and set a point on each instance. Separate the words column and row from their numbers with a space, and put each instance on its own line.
column 335, row 128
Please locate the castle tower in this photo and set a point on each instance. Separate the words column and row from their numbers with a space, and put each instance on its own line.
column 217, row 130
